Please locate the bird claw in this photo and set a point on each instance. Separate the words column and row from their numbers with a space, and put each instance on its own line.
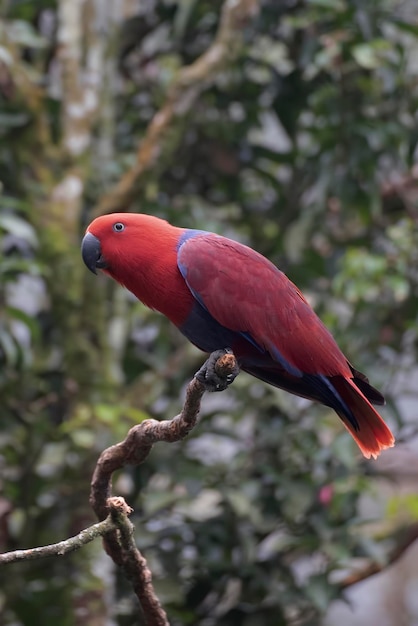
column 210, row 374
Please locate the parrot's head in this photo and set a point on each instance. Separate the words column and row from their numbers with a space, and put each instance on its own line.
column 140, row 252
column 103, row 238
column 122, row 239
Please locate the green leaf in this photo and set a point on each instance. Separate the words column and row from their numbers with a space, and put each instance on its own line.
column 407, row 27
column 334, row 5
column 13, row 120
column 28, row 320
column 370, row 55
column 20, row 228
column 23, row 33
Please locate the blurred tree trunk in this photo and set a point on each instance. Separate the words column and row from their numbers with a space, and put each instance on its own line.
column 59, row 162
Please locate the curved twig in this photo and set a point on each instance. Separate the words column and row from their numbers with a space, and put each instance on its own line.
column 133, row 450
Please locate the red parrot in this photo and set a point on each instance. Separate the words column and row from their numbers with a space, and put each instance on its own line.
column 220, row 293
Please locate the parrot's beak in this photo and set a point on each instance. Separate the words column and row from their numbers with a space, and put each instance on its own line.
column 92, row 253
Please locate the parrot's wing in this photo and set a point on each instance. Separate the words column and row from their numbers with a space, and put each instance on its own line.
column 246, row 293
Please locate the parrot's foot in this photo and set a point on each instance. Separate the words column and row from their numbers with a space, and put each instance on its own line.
column 216, row 374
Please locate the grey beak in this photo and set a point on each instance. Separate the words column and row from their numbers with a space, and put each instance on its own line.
column 92, row 253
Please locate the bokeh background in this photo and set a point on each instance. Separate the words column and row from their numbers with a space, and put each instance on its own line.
column 300, row 141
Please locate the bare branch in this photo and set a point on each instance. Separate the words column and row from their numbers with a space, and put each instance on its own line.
column 62, row 547
column 409, row 536
column 135, row 566
column 158, row 143
column 119, row 543
column 138, row 443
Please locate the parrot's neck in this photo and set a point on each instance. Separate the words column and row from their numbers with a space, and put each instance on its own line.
column 151, row 273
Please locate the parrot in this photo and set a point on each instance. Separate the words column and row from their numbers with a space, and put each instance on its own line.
column 223, row 294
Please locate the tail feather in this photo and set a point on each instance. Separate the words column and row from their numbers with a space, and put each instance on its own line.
column 371, row 435
column 362, row 382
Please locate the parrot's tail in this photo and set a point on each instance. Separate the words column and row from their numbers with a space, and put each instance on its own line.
column 370, row 433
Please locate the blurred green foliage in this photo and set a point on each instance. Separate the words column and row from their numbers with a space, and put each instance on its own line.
column 305, row 148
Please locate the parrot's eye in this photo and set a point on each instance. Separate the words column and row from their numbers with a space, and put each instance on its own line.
column 118, row 227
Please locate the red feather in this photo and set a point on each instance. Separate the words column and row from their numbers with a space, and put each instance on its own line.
column 373, row 435
column 244, row 291
column 144, row 260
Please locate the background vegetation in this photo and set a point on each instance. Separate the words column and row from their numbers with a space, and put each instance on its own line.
column 302, row 143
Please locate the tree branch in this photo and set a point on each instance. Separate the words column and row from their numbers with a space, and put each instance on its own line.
column 409, row 536
column 134, row 449
column 119, row 544
column 158, row 143
column 62, row 547
column 135, row 566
